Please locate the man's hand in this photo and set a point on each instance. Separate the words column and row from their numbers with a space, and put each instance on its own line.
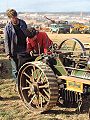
column 31, row 53
column 8, row 57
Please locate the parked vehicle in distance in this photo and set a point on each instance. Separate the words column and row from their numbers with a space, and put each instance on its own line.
column 60, row 28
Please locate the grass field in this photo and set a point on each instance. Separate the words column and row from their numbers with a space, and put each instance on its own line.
column 12, row 108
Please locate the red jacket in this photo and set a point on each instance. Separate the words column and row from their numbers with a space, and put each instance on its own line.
column 40, row 44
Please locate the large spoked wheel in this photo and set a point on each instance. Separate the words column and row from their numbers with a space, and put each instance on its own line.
column 37, row 86
column 73, row 45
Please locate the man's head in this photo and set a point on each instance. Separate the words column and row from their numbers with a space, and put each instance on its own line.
column 12, row 15
column 31, row 33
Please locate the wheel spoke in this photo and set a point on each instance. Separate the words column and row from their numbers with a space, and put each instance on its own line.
column 74, row 45
column 47, row 94
column 30, row 82
column 41, row 98
column 43, row 79
column 26, row 75
column 39, row 77
column 35, row 74
column 34, row 68
column 32, row 72
column 44, row 86
column 30, row 93
column 30, row 78
column 37, row 100
column 25, row 88
column 44, row 97
column 32, row 99
column 32, row 75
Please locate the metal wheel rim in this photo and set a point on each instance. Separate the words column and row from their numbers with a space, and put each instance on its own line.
column 77, row 42
column 41, row 99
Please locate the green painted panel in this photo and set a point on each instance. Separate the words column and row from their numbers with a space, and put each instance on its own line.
column 59, row 66
column 81, row 73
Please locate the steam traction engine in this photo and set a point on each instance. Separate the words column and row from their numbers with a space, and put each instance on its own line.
column 61, row 76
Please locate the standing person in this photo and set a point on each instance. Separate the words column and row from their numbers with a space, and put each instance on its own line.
column 15, row 39
column 37, row 41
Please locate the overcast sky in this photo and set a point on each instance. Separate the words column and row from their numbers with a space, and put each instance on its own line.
column 45, row 5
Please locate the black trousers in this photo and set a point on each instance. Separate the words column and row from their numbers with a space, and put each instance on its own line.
column 23, row 58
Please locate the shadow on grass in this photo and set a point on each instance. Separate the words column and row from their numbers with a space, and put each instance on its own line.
column 84, row 109
column 56, row 112
column 11, row 98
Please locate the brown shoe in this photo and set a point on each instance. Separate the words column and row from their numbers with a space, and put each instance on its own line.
column 1, row 98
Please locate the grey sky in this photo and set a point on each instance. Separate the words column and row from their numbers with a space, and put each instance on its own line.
column 45, row 5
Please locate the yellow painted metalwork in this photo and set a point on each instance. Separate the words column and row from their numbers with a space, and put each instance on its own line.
column 74, row 86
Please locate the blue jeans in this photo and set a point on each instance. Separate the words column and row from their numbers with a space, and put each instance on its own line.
column 14, row 68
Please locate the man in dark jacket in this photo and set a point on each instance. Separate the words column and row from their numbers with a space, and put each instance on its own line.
column 15, row 39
